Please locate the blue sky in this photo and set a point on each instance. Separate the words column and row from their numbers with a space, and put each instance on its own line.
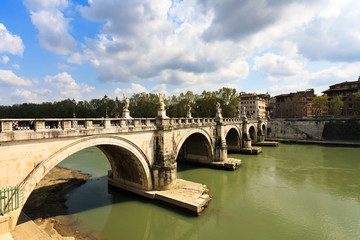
column 51, row 50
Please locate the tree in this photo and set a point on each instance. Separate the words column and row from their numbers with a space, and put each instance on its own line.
column 144, row 105
column 228, row 99
column 319, row 105
column 335, row 105
column 205, row 104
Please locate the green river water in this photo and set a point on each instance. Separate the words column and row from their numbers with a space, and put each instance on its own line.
column 288, row 192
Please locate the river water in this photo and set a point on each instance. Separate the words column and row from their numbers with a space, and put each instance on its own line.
column 288, row 192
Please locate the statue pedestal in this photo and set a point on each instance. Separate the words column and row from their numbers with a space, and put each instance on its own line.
column 126, row 114
column 188, row 115
column 162, row 113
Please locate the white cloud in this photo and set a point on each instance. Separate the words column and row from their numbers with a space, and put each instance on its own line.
column 277, row 67
column 197, row 44
column 161, row 88
column 53, row 31
column 163, row 45
column 10, row 78
column 5, row 59
column 46, row 4
column 135, row 88
column 286, row 88
column 64, row 84
column 63, row 66
column 32, row 96
column 10, row 43
column 16, row 66
column 26, row 96
column 53, row 26
column 76, row 58
column 318, row 80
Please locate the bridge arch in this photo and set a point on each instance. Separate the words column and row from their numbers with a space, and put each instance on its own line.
column 188, row 147
column 233, row 139
column 252, row 134
column 114, row 148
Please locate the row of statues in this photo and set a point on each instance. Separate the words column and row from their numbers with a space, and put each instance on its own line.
column 241, row 111
column 162, row 110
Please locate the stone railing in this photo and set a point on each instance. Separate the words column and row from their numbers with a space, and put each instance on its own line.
column 65, row 124
column 12, row 125
column 232, row 120
column 191, row 121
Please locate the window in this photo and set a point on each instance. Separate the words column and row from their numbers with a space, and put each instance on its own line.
column 350, row 106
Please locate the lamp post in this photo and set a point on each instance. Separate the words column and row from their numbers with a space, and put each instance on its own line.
column 74, row 102
column 105, row 99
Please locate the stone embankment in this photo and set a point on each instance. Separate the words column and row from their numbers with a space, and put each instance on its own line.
column 333, row 131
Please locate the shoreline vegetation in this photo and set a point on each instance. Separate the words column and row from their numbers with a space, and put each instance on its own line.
column 47, row 209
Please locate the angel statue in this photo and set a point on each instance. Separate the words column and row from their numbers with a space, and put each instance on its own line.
column 126, row 103
column 218, row 108
column 161, row 101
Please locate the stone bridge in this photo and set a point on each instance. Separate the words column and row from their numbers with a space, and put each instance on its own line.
column 143, row 152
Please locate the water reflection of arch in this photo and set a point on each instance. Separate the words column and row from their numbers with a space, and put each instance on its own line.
column 128, row 163
column 233, row 139
column 195, row 145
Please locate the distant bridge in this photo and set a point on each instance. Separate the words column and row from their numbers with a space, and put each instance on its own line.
column 142, row 152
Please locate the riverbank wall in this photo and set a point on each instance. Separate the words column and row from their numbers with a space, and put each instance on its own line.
column 315, row 130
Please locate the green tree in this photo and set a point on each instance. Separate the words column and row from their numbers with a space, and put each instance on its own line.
column 228, row 98
column 144, row 105
column 319, row 105
column 335, row 105
column 206, row 104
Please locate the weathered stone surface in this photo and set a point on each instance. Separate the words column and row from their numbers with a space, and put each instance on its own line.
column 267, row 143
column 4, row 224
column 315, row 129
column 251, row 150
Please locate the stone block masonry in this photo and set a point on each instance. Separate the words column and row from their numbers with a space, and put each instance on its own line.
column 333, row 130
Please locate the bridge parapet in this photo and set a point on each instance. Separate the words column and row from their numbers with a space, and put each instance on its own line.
column 191, row 122
column 25, row 129
column 232, row 120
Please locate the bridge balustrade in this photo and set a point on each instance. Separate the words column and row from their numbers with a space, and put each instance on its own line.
column 10, row 125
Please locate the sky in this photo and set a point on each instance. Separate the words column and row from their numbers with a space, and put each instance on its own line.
column 52, row 50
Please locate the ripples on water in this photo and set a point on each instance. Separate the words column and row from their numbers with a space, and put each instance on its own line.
column 289, row 192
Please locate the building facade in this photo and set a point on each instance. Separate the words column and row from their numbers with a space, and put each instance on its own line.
column 292, row 105
column 254, row 105
column 347, row 90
